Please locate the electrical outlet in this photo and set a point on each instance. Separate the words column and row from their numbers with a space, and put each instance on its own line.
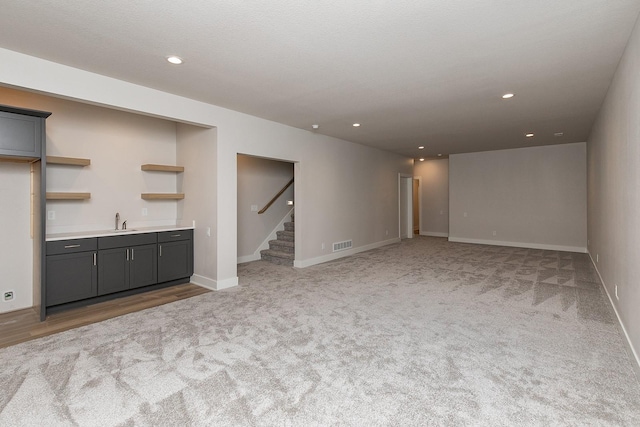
column 494, row 232
column 7, row 296
column 465, row 214
column 145, row 212
column 387, row 233
column 208, row 231
column 617, row 297
column 254, row 208
column 323, row 246
column 51, row 215
column 597, row 258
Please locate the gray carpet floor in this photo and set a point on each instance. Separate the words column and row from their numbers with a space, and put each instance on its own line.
column 425, row 332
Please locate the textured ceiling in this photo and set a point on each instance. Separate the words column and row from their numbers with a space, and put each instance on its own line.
column 415, row 72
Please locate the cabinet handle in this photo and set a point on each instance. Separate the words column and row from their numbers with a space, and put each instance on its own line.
column 71, row 246
column 131, row 254
column 94, row 259
column 160, row 250
column 175, row 235
column 127, row 254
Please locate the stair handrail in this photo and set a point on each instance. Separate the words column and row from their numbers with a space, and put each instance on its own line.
column 263, row 210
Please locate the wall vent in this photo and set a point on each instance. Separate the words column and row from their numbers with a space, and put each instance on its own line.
column 341, row 246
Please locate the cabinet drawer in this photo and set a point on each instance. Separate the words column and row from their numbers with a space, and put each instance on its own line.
column 113, row 242
column 169, row 236
column 71, row 246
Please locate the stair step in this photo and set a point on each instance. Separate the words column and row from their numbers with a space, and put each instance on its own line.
column 277, row 257
column 289, row 226
column 288, row 236
column 282, row 246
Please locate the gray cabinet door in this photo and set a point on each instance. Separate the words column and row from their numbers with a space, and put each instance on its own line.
column 20, row 135
column 113, row 270
column 143, row 270
column 175, row 260
column 71, row 277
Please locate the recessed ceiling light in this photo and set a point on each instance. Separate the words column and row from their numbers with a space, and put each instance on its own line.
column 422, row 159
column 508, row 95
column 558, row 134
column 315, row 126
column 421, row 147
column 439, row 155
column 176, row 60
column 528, row 135
column 355, row 125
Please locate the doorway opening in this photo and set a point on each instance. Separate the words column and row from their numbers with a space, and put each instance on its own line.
column 265, row 210
column 416, row 206
column 405, row 206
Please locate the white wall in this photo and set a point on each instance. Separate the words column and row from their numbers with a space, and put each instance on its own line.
column 614, row 185
column 197, row 151
column 434, row 189
column 258, row 181
column 117, row 143
column 16, row 250
column 531, row 197
column 343, row 190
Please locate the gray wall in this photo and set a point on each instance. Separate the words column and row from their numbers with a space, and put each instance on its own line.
column 614, row 183
column 343, row 190
column 529, row 197
column 258, row 181
column 434, row 196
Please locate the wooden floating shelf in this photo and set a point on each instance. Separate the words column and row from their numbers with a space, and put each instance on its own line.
column 13, row 159
column 68, row 196
column 162, row 168
column 162, row 196
column 70, row 161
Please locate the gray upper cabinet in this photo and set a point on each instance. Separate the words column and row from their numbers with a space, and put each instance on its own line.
column 20, row 135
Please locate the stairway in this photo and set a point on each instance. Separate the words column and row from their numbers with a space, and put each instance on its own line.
column 282, row 250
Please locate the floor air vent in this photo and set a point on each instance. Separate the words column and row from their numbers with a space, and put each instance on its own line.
column 341, row 246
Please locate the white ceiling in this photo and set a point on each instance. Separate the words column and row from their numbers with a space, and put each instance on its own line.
column 413, row 72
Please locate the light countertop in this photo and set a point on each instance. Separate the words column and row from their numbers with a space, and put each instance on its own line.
column 105, row 233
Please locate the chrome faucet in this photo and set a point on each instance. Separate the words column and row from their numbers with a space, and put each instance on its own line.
column 117, row 219
column 124, row 224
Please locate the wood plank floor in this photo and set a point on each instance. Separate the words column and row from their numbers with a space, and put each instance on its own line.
column 24, row 325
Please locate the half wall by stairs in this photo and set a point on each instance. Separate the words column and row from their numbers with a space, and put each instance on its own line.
column 282, row 250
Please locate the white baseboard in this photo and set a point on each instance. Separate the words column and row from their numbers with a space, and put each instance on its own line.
column 214, row 285
column 580, row 249
column 627, row 341
column 342, row 254
column 248, row 258
column 433, row 234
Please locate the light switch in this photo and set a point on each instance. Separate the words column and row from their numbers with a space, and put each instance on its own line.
column 254, row 208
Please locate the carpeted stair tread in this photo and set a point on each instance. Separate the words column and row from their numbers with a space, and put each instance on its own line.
column 277, row 257
column 282, row 246
column 282, row 250
column 288, row 236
